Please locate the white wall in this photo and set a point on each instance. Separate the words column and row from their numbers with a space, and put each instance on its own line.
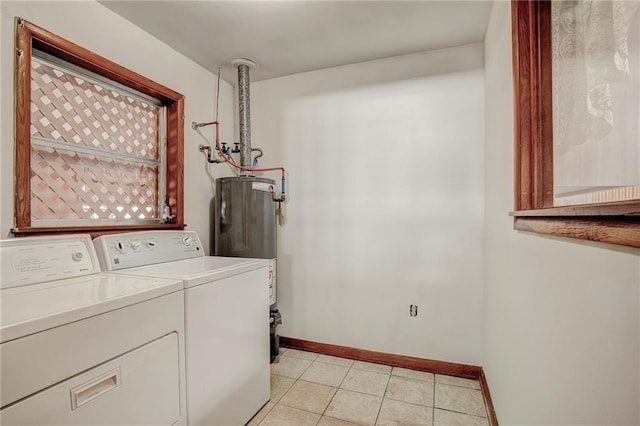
column 561, row 342
column 386, row 202
column 93, row 26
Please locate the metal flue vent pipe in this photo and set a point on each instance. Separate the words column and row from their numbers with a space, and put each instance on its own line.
column 244, row 65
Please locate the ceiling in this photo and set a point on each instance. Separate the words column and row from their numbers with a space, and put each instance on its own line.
column 289, row 37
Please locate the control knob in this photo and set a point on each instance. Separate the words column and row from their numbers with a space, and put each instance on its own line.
column 136, row 245
column 187, row 240
column 120, row 246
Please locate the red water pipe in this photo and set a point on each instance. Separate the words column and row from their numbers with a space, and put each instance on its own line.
column 229, row 160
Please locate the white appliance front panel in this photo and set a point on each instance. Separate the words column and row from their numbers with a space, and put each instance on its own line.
column 38, row 361
column 200, row 270
column 41, row 259
column 141, row 387
column 228, row 372
column 36, row 307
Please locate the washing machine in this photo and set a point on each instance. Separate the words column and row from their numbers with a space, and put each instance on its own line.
column 82, row 347
column 226, row 312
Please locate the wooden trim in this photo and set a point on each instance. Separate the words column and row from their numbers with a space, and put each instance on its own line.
column 618, row 208
column 29, row 35
column 523, row 189
column 64, row 49
column 432, row 366
column 491, row 411
column 175, row 160
column 22, row 204
column 544, row 143
column 94, row 230
column 612, row 231
column 533, row 122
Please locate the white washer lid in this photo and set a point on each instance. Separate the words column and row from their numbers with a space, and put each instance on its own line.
column 199, row 270
column 33, row 308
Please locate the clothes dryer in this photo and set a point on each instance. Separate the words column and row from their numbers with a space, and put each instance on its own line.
column 81, row 347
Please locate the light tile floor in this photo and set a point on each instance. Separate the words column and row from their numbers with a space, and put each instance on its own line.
column 312, row 389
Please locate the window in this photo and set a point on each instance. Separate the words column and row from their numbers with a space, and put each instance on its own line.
column 99, row 148
column 577, row 159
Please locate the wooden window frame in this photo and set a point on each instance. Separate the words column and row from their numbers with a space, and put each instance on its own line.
column 613, row 222
column 29, row 36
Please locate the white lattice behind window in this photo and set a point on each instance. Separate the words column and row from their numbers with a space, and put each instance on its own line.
column 69, row 185
column 95, row 151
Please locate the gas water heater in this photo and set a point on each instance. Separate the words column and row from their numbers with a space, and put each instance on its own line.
column 244, row 217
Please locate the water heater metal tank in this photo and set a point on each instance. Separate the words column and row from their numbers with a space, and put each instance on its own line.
column 245, row 217
column 245, row 226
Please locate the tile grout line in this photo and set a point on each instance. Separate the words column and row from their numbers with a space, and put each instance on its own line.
column 459, row 386
column 362, row 393
column 460, row 412
column 383, row 396
column 298, row 378
column 295, row 380
column 433, row 402
column 336, row 392
column 265, row 415
column 275, row 403
column 484, row 403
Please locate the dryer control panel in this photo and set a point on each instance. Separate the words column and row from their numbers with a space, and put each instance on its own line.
column 133, row 249
column 38, row 259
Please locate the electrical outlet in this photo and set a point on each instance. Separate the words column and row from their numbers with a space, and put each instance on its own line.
column 413, row 310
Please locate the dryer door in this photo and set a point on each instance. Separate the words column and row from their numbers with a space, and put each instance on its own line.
column 139, row 387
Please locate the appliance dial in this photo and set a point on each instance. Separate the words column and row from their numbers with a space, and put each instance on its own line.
column 150, row 244
column 120, row 246
column 77, row 256
column 136, row 245
column 186, row 240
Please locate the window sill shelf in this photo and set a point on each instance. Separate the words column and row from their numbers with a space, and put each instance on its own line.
column 94, row 230
column 613, row 209
column 619, row 230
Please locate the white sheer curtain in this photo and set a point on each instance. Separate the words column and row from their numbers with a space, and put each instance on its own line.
column 596, row 94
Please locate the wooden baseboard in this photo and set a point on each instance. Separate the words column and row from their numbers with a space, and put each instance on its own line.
column 432, row 366
column 491, row 412
column 429, row 365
